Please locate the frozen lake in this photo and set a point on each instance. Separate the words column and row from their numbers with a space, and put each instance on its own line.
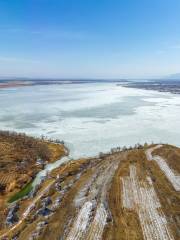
column 92, row 118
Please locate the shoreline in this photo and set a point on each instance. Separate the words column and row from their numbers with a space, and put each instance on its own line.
column 20, row 164
column 98, row 182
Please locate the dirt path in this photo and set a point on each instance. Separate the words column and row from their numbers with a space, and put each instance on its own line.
column 120, row 196
column 162, row 163
column 150, row 150
column 30, row 207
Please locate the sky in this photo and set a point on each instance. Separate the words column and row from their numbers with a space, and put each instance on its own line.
column 89, row 38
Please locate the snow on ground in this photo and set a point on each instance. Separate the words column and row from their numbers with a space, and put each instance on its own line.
column 141, row 197
column 80, row 224
column 171, row 176
column 94, row 192
column 150, row 150
column 81, row 197
column 97, row 226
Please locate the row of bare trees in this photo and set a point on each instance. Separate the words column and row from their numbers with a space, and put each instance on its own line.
column 30, row 147
column 124, row 148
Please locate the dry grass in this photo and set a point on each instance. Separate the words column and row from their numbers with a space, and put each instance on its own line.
column 125, row 223
column 66, row 212
column 169, row 198
column 171, row 154
column 18, row 155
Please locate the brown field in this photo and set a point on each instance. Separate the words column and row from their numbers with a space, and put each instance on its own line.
column 171, row 154
column 18, row 155
column 118, row 196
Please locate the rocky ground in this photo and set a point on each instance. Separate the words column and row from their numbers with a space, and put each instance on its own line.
column 126, row 194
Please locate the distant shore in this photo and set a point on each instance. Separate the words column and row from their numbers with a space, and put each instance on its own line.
column 170, row 86
column 14, row 84
column 8, row 83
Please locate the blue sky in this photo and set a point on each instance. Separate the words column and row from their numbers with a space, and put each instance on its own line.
column 89, row 38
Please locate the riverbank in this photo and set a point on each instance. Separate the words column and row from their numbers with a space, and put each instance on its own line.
column 22, row 157
column 113, row 196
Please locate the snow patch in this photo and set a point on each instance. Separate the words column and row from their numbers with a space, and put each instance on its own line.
column 80, row 224
column 171, row 176
column 141, row 197
column 98, row 223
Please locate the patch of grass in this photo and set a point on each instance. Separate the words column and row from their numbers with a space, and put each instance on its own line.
column 23, row 192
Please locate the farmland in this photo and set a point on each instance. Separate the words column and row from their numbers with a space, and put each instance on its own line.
column 124, row 194
column 18, row 165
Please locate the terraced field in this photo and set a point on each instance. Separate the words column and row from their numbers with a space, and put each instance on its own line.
column 19, row 155
column 124, row 195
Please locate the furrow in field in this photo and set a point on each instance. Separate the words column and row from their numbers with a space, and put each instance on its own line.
column 171, row 176
column 97, row 226
column 91, row 226
column 80, row 224
column 142, row 198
